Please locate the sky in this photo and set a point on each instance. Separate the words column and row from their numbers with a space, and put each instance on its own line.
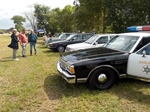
column 9, row 8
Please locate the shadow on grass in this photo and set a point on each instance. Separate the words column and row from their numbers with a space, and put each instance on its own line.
column 40, row 43
column 56, row 87
column 7, row 59
column 46, row 51
column 132, row 90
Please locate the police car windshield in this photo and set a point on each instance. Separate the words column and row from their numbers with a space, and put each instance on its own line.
column 122, row 42
column 92, row 39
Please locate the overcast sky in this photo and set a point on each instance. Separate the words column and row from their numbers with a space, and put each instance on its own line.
column 9, row 8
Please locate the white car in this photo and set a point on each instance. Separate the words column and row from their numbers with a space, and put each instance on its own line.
column 97, row 40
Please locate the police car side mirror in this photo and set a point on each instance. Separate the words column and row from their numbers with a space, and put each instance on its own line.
column 144, row 53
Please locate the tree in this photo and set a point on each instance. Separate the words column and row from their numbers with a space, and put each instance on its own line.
column 31, row 18
column 54, row 21
column 124, row 13
column 18, row 21
column 67, row 23
column 90, row 14
column 42, row 15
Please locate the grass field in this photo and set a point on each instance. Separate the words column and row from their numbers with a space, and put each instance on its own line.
column 32, row 84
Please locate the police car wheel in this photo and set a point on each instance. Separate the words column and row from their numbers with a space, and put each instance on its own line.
column 102, row 78
column 61, row 48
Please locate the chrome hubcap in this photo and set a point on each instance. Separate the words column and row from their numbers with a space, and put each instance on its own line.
column 61, row 49
column 102, row 78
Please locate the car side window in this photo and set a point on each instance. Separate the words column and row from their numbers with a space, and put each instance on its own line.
column 143, row 42
column 87, row 36
column 146, row 49
column 79, row 37
column 67, row 35
column 75, row 37
column 103, row 39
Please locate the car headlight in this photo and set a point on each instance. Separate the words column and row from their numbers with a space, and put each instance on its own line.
column 51, row 45
column 71, row 69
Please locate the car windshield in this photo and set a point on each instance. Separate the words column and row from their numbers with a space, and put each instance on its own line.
column 92, row 39
column 70, row 37
column 122, row 42
column 62, row 36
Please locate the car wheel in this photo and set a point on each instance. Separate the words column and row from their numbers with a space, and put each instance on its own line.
column 61, row 48
column 102, row 78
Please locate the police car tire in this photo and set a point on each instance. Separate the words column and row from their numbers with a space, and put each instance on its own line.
column 61, row 48
column 94, row 83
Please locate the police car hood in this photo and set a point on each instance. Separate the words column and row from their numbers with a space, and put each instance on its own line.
column 89, row 54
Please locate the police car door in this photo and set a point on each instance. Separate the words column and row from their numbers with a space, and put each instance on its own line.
column 139, row 63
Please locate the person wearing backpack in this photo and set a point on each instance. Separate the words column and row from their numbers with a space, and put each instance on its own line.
column 32, row 38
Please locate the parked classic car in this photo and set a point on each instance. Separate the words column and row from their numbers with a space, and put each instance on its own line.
column 75, row 38
column 123, row 56
column 63, row 36
column 97, row 40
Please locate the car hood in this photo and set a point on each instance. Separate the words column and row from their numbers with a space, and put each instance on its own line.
column 56, row 39
column 60, row 41
column 79, row 45
column 89, row 54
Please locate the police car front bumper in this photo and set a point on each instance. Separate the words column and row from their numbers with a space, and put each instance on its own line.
column 69, row 78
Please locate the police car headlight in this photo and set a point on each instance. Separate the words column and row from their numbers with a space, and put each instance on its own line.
column 71, row 69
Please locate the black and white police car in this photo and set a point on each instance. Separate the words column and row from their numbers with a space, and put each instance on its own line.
column 125, row 55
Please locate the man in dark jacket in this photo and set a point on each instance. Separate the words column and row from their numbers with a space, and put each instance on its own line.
column 32, row 38
column 14, row 44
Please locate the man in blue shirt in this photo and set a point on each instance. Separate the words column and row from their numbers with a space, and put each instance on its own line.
column 32, row 39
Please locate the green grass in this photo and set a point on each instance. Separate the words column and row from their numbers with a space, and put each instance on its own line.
column 32, row 84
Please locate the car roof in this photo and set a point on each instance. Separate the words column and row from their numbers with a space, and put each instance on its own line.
column 135, row 34
column 104, row 34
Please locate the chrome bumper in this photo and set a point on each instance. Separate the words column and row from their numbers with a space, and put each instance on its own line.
column 69, row 78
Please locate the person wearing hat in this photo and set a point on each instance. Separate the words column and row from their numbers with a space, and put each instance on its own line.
column 32, row 38
column 14, row 44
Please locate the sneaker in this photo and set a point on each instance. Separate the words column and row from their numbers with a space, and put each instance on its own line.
column 16, row 59
column 30, row 54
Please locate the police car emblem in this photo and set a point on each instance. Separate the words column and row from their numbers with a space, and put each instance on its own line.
column 146, row 69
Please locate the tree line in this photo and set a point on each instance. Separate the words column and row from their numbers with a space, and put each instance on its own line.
column 103, row 15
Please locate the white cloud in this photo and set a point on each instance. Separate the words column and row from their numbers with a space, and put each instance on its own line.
column 9, row 8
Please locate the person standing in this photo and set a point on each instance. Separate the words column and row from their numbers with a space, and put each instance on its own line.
column 94, row 32
column 23, row 42
column 32, row 38
column 50, row 37
column 14, row 44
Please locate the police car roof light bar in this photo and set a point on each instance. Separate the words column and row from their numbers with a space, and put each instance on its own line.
column 138, row 28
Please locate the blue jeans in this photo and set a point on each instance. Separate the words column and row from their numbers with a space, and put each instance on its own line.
column 32, row 44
